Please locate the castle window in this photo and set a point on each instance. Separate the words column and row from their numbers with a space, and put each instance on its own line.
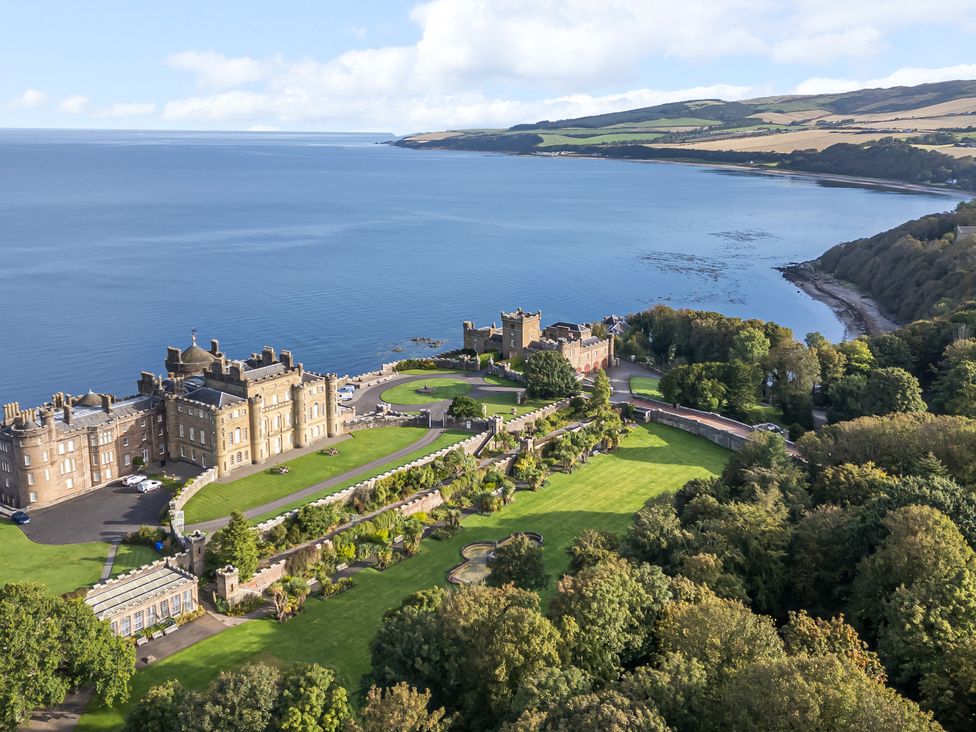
column 47, row 474
column 96, row 476
column 32, row 496
column 126, row 460
column 69, row 484
column 27, row 460
column 193, row 435
column 181, row 430
column 30, row 479
column 159, row 418
column 71, row 445
column 60, row 448
column 125, row 442
column 108, row 474
column 203, row 437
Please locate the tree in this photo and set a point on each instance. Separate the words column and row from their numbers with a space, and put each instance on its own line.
column 518, row 561
column 52, row 645
column 846, row 396
column 818, row 637
column 591, row 547
column 401, row 708
column 675, row 685
column 954, row 392
column 600, row 397
column 607, row 711
column 793, row 368
column 750, row 346
column 850, row 484
column 891, row 390
column 242, row 700
column 409, row 647
column 858, row 356
column 614, row 604
column 890, row 351
column 722, row 635
column 789, row 694
column 236, row 544
column 311, row 701
column 464, row 407
column 289, row 595
column 549, row 375
column 169, row 707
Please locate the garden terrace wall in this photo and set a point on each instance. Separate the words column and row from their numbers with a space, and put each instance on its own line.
column 502, row 370
column 520, row 423
column 469, row 446
column 371, row 421
column 184, row 494
column 724, row 437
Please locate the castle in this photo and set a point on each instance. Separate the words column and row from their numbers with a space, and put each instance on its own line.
column 522, row 334
column 209, row 410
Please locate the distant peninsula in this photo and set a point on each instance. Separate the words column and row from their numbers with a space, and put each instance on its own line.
column 921, row 135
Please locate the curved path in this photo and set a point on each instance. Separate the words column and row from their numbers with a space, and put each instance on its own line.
column 364, row 470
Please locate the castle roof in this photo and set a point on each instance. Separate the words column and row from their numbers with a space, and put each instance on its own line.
column 213, row 397
column 197, row 356
column 91, row 399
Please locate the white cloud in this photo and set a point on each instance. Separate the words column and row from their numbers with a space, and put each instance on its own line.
column 262, row 128
column 907, row 76
column 29, row 99
column 127, row 109
column 823, row 47
column 218, row 71
column 75, row 104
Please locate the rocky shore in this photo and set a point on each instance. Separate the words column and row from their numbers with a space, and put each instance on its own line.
column 859, row 313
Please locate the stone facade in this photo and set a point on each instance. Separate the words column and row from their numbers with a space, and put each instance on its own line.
column 522, row 334
column 208, row 410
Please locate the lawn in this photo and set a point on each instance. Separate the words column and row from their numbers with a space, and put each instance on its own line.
column 499, row 381
column 601, row 495
column 62, row 567
column 646, row 386
column 219, row 499
column 447, row 439
column 442, row 389
column 502, row 402
column 131, row 556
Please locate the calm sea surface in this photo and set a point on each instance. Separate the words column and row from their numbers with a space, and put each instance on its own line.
column 114, row 245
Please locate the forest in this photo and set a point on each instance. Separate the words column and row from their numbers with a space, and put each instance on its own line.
column 917, row 270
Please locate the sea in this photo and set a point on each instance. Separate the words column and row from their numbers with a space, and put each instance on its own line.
column 344, row 249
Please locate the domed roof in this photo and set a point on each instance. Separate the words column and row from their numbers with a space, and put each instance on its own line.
column 197, row 356
column 91, row 399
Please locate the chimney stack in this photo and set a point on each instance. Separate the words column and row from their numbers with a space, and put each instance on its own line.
column 106, row 403
column 67, row 412
column 286, row 359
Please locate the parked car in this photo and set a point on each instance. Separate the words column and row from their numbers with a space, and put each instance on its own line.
column 345, row 396
column 769, row 427
column 147, row 486
column 134, row 479
column 20, row 517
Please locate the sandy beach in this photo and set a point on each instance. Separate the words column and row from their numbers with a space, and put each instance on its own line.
column 859, row 313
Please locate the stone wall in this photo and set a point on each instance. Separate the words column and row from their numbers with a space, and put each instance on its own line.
column 520, row 423
column 190, row 489
column 469, row 446
column 724, row 437
column 393, row 419
column 502, row 370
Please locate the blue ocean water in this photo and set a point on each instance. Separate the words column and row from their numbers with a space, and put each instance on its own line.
column 114, row 245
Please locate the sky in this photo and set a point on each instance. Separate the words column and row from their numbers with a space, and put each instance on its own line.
column 403, row 66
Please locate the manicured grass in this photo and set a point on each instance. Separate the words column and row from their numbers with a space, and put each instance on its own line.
column 131, row 556
column 62, row 567
column 646, row 386
column 450, row 437
column 337, row 632
column 442, row 389
column 499, row 381
column 219, row 499
column 502, row 402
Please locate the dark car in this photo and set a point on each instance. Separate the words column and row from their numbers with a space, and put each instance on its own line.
column 20, row 518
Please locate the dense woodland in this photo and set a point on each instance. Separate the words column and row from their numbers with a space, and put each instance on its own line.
column 917, row 270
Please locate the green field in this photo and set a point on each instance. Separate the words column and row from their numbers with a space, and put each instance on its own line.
column 62, row 567
column 450, row 437
column 601, row 495
column 646, row 386
column 131, row 556
column 499, row 381
column 443, row 389
column 672, row 122
column 502, row 402
column 549, row 140
column 219, row 499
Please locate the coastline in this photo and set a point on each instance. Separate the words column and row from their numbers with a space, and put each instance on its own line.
column 860, row 314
